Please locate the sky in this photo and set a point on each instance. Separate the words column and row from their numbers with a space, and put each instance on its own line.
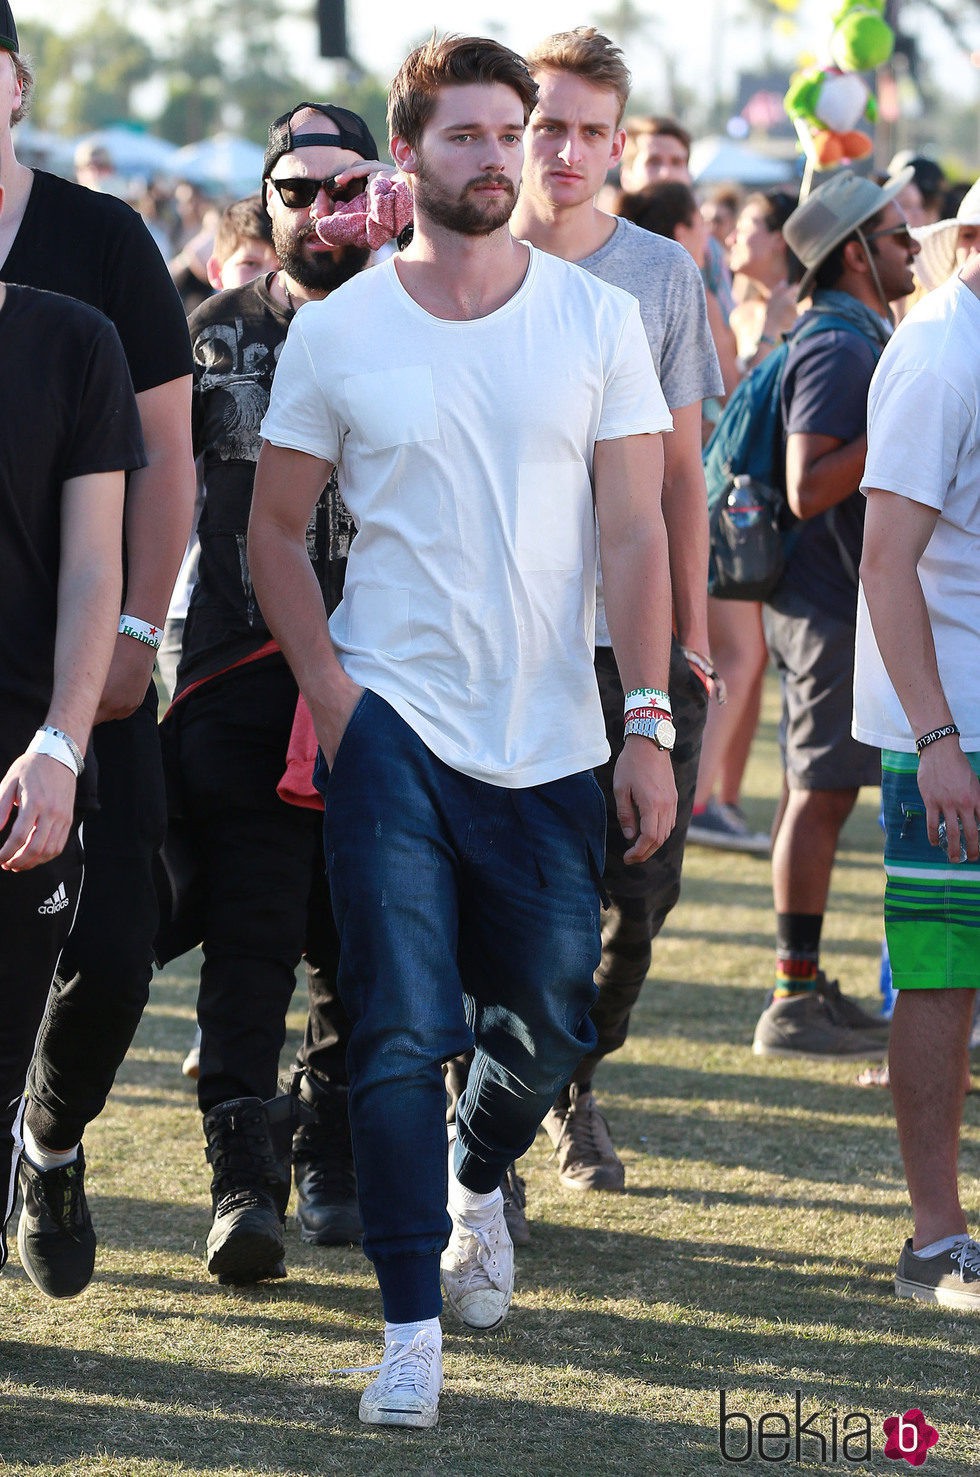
column 707, row 37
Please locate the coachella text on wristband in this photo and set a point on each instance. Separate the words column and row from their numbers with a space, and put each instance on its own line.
column 58, row 745
column 948, row 730
column 131, row 625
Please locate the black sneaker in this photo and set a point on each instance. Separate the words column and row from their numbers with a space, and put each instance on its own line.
column 515, row 1206
column 327, row 1213
column 55, row 1235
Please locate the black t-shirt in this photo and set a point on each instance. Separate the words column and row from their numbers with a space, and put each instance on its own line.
column 96, row 248
column 66, row 409
column 237, row 337
column 825, row 393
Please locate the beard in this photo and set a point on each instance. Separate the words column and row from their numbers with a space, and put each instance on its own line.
column 464, row 214
column 324, row 270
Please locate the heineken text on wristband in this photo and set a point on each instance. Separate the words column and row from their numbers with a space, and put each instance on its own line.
column 131, row 625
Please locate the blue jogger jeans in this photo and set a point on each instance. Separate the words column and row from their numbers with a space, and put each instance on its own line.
column 468, row 916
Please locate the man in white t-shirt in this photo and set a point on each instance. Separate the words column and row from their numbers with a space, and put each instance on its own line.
column 917, row 698
column 483, row 402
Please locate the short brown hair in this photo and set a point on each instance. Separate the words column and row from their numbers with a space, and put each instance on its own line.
column 244, row 220
column 451, row 61
column 24, row 75
column 651, row 127
column 660, row 208
column 586, row 53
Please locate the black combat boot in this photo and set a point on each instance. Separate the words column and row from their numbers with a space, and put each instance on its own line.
column 323, row 1164
column 247, row 1148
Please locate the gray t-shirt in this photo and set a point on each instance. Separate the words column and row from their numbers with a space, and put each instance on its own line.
column 665, row 281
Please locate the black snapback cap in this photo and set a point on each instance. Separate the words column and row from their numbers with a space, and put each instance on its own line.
column 8, row 31
column 350, row 132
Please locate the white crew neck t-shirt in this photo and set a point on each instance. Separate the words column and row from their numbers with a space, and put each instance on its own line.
column 464, row 453
column 924, row 444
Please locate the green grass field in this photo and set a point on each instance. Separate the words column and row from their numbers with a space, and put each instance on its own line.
column 753, row 1251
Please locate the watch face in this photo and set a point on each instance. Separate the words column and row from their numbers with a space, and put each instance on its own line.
column 664, row 734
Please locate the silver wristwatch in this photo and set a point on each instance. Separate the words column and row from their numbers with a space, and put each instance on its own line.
column 660, row 730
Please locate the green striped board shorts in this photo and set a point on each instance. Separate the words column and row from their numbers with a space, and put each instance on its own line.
column 932, row 905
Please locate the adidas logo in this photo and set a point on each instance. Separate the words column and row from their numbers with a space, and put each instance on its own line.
column 59, row 899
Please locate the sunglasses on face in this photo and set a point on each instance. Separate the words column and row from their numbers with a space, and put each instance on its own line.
column 901, row 233
column 299, row 194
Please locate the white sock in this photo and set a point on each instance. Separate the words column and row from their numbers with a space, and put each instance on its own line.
column 403, row 1333
column 468, row 1202
column 947, row 1243
column 47, row 1158
column 471, row 1204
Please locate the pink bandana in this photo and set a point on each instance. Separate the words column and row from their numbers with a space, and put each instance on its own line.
column 379, row 214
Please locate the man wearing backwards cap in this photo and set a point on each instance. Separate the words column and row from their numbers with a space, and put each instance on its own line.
column 853, row 240
column 225, row 739
column 58, row 235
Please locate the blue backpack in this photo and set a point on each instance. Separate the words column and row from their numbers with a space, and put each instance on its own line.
column 751, row 525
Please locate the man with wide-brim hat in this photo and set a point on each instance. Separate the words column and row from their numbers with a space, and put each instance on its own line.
column 855, row 246
column 946, row 244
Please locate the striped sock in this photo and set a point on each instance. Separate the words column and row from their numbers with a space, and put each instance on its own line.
column 797, row 953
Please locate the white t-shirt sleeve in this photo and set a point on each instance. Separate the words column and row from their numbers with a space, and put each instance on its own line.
column 633, row 403
column 910, row 453
column 300, row 416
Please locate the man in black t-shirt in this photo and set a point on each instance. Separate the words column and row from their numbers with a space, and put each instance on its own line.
column 853, row 241
column 60, row 236
column 63, row 456
column 261, row 871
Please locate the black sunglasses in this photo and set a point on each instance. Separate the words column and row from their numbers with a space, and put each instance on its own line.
column 299, row 194
column 901, row 233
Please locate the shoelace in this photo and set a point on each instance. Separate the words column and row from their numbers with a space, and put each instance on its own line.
column 409, row 1367
column 59, row 1193
column 485, row 1266
column 967, row 1255
column 588, row 1120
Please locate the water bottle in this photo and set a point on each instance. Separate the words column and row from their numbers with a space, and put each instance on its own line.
column 744, row 508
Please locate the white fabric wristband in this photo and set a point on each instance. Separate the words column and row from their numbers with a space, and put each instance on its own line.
column 131, row 625
column 58, row 745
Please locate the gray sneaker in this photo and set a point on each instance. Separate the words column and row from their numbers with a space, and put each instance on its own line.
column 725, row 828
column 587, row 1158
column 846, row 1011
column 804, row 1025
column 952, row 1278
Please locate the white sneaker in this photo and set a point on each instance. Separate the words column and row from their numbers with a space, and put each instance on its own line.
column 478, row 1269
column 406, row 1391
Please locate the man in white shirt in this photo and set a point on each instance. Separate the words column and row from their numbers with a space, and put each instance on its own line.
column 917, row 699
column 482, row 402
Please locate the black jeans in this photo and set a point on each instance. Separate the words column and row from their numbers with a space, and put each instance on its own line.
column 36, row 912
column 262, row 875
column 640, row 897
column 103, row 980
